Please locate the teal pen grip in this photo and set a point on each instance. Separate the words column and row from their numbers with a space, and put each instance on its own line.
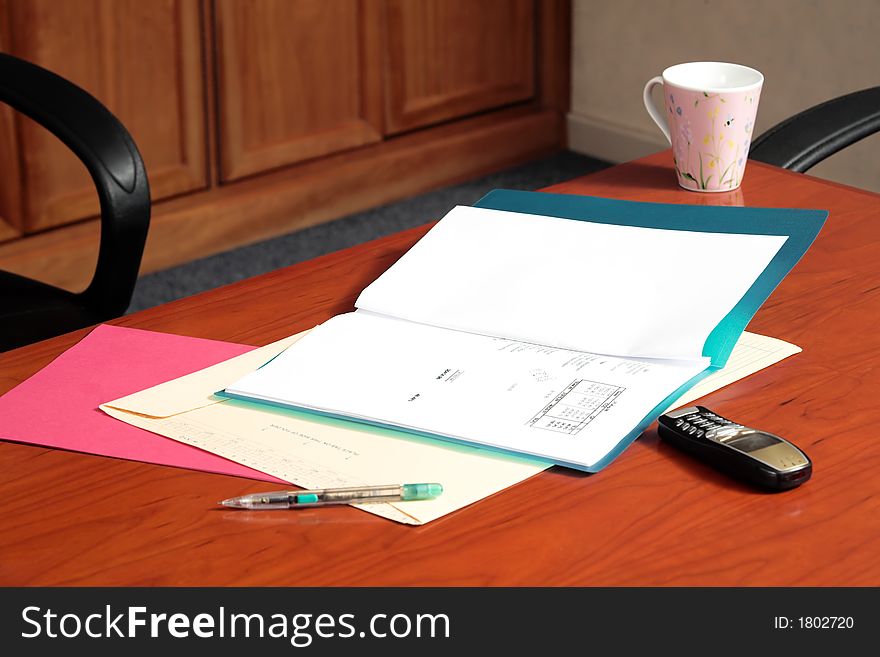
column 412, row 492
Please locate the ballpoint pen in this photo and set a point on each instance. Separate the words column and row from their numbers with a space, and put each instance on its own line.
column 295, row 499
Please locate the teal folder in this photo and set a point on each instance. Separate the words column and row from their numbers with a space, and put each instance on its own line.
column 800, row 227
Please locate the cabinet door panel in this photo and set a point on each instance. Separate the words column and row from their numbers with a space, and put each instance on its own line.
column 297, row 80
column 143, row 61
column 448, row 58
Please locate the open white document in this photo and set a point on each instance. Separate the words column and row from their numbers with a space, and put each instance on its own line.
column 535, row 335
column 571, row 407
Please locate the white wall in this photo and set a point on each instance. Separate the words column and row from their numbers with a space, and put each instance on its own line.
column 808, row 50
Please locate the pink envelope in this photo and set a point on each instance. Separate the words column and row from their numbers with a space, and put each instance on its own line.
column 58, row 406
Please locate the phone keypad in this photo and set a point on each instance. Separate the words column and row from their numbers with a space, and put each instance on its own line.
column 714, row 427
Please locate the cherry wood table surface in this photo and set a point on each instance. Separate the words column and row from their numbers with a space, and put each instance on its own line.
column 653, row 517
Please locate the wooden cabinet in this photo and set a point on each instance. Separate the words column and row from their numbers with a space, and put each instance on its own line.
column 259, row 117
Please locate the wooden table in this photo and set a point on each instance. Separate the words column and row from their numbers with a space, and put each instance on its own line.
column 654, row 517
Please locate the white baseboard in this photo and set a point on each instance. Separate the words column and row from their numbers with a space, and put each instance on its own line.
column 610, row 141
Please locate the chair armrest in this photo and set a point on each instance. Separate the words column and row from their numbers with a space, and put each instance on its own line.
column 807, row 138
column 103, row 144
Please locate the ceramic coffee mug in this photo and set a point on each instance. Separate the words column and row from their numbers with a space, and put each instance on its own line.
column 708, row 115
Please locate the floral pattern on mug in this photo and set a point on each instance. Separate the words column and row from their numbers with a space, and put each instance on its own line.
column 710, row 134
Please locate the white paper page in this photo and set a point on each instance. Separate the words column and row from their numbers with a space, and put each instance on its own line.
column 570, row 407
column 621, row 290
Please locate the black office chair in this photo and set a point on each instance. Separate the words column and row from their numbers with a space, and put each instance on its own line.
column 807, row 138
column 30, row 310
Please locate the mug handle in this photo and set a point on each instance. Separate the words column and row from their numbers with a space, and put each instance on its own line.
column 655, row 113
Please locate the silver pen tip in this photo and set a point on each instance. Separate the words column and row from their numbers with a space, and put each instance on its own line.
column 232, row 502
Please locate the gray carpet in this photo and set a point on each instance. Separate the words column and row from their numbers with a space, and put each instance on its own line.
column 207, row 273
